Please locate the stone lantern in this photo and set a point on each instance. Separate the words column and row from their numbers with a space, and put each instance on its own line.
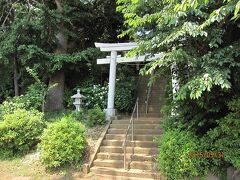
column 78, row 100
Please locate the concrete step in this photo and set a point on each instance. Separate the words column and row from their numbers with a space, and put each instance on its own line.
column 145, row 119
column 142, row 165
column 120, row 156
column 136, row 137
column 119, row 164
column 132, row 173
column 135, row 150
column 152, row 114
column 113, row 177
column 136, row 131
column 139, row 121
column 108, row 163
column 136, row 126
column 136, row 143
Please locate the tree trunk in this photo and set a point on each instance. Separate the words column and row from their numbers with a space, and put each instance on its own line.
column 15, row 77
column 54, row 100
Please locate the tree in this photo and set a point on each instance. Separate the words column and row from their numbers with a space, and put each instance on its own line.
column 53, row 38
column 203, row 39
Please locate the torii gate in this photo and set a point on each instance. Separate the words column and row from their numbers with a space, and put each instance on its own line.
column 113, row 60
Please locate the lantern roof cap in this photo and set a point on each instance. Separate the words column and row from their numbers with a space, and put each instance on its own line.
column 78, row 95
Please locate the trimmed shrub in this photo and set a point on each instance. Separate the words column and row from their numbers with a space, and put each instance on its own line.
column 174, row 158
column 63, row 142
column 20, row 131
column 95, row 117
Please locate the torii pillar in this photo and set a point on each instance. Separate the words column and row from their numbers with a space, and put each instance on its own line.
column 113, row 48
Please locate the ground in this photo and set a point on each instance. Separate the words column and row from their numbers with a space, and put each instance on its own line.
column 29, row 167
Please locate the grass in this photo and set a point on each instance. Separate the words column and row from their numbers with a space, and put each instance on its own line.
column 30, row 167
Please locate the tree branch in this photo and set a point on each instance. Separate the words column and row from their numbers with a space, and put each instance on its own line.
column 8, row 14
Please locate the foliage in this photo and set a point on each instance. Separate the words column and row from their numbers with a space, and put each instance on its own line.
column 36, row 93
column 202, row 39
column 6, row 88
column 95, row 95
column 63, row 142
column 175, row 148
column 95, row 117
column 20, row 131
column 30, row 33
column 90, row 117
column 56, row 115
column 35, row 96
column 10, row 105
column 226, row 136
column 81, row 116
column 68, row 101
column 33, row 99
column 125, row 89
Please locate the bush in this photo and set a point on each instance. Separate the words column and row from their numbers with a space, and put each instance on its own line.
column 20, row 131
column 95, row 96
column 173, row 159
column 81, row 115
column 226, row 137
column 91, row 117
column 10, row 105
column 63, row 142
column 125, row 94
column 95, row 117
column 35, row 96
column 125, row 88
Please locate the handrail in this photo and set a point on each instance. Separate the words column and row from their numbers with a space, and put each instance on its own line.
column 131, row 123
column 147, row 98
column 148, row 94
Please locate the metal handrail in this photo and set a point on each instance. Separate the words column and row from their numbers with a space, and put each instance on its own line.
column 148, row 94
column 131, row 123
column 147, row 98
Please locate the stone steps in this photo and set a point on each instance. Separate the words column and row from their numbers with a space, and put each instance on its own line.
column 149, row 121
column 136, row 137
column 136, row 126
column 130, row 143
column 114, row 177
column 132, row 173
column 120, row 156
column 137, row 150
column 140, row 153
column 136, row 131
column 147, row 165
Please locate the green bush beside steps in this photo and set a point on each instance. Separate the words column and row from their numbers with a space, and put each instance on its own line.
column 63, row 142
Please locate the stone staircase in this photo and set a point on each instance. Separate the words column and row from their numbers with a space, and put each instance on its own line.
column 109, row 162
column 140, row 154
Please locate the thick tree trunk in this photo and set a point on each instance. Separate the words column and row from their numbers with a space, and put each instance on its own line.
column 15, row 77
column 54, row 100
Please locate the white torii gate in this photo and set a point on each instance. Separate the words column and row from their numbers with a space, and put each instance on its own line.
column 113, row 60
column 113, row 48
